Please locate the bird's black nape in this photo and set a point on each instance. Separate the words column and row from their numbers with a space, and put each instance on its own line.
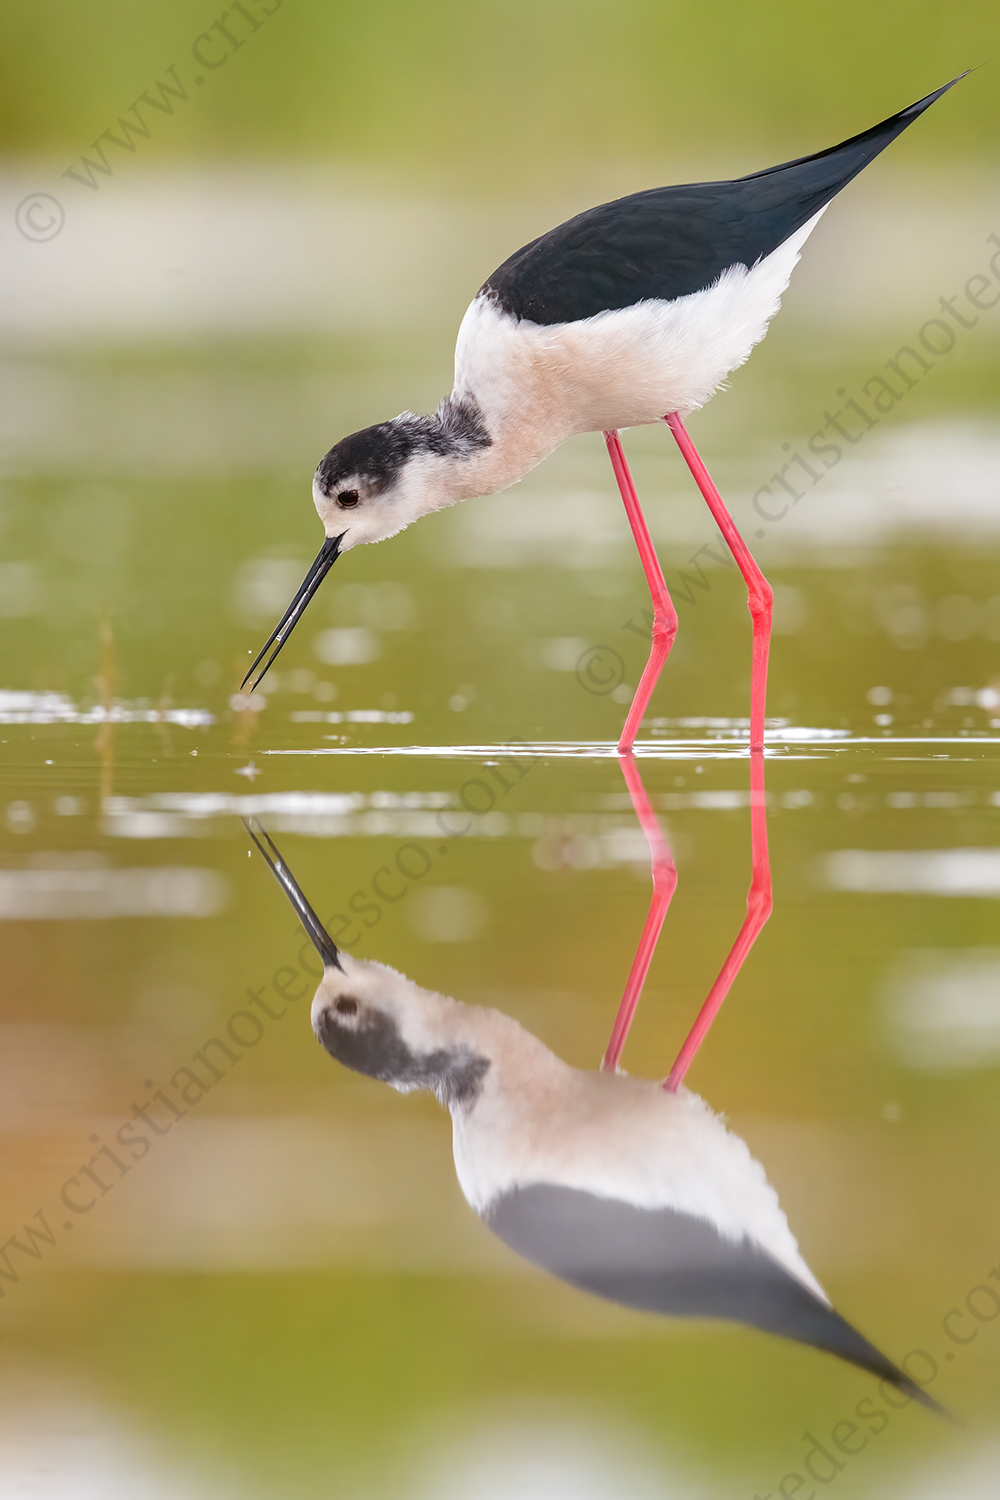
column 321, row 939
column 324, row 561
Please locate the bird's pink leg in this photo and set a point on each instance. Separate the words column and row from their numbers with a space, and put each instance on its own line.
column 758, row 910
column 664, row 885
column 759, row 900
column 759, row 595
column 664, row 614
column 661, row 862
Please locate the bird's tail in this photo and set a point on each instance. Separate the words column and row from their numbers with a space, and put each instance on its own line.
column 819, row 177
column 833, row 1333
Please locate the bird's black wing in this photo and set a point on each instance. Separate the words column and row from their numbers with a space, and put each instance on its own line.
column 670, row 241
column 660, row 1260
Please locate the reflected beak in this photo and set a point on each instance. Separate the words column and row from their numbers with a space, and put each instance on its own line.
column 328, row 554
column 321, row 939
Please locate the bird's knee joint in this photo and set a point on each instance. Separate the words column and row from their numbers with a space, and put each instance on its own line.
column 761, row 906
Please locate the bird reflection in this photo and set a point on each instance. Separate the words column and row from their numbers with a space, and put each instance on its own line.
column 612, row 1183
column 664, row 873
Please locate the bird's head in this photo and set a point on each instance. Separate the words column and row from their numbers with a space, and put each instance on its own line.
column 374, row 482
column 376, row 1021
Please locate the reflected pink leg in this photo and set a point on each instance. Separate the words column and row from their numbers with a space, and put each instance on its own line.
column 759, row 898
column 759, row 594
column 664, row 614
column 758, row 910
column 664, row 885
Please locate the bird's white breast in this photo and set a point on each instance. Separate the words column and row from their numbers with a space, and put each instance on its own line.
column 538, row 384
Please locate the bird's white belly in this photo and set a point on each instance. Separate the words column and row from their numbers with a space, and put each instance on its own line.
column 539, row 384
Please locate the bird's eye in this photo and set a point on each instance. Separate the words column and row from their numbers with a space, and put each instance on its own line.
column 347, row 498
column 346, row 1006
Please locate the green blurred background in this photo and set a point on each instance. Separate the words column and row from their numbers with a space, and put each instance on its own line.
column 481, row 96
column 291, row 1296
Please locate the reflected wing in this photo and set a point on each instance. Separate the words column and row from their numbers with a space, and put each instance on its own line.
column 663, row 1261
column 671, row 241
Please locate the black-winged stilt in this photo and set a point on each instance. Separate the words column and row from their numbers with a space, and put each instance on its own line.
column 623, row 1188
column 633, row 312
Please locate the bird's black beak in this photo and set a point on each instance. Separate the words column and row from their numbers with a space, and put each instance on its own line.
column 323, row 942
column 328, row 555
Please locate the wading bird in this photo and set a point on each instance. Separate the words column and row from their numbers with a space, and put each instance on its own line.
column 612, row 1183
column 630, row 313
